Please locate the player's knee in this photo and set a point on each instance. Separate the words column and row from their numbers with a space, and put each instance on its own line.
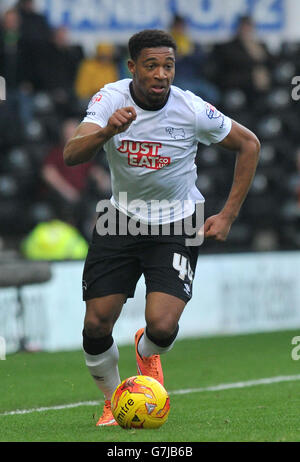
column 100, row 317
column 98, row 326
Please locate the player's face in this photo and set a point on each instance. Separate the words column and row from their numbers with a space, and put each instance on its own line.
column 153, row 73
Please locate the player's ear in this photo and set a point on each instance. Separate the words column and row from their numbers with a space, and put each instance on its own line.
column 131, row 66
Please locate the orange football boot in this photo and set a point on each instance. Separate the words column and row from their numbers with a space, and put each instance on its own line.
column 151, row 365
column 107, row 417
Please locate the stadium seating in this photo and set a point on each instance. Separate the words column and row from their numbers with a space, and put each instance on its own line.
column 272, row 203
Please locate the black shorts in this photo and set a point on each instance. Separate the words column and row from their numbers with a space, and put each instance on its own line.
column 115, row 263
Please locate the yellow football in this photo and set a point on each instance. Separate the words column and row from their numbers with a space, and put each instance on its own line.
column 140, row 402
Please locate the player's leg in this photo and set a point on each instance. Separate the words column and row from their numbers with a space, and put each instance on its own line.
column 169, row 266
column 110, row 275
column 100, row 351
column 162, row 315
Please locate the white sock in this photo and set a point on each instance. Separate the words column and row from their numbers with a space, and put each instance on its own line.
column 104, row 370
column 147, row 348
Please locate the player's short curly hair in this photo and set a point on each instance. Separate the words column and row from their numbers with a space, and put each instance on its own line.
column 149, row 38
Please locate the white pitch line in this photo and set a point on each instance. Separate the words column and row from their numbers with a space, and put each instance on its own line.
column 51, row 408
column 229, row 386
column 220, row 387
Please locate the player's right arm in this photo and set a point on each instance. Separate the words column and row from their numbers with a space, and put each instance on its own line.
column 90, row 137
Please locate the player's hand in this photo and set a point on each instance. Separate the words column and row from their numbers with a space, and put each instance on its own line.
column 217, row 227
column 121, row 120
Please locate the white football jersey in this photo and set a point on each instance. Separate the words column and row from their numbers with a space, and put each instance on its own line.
column 152, row 166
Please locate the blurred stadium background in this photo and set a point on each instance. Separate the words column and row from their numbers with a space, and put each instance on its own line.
column 54, row 56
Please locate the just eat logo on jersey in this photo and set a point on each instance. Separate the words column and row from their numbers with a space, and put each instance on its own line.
column 144, row 154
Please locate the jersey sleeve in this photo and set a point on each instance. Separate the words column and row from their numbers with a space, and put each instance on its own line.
column 211, row 125
column 100, row 108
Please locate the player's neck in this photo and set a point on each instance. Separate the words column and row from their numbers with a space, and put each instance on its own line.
column 142, row 104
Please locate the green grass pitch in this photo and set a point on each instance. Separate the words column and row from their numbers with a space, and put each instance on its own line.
column 251, row 413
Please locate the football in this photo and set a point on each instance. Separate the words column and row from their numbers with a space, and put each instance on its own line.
column 140, row 402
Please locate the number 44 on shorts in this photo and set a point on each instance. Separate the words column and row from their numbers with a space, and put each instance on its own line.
column 181, row 264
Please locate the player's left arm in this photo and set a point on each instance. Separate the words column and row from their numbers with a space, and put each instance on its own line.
column 247, row 147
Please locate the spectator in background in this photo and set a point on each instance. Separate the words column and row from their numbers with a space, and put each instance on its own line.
column 34, row 26
column 244, row 63
column 59, row 66
column 69, row 190
column 191, row 63
column 36, row 34
column 11, row 49
column 178, row 30
column 16, row 67
column 94, row 73
column 23, row 38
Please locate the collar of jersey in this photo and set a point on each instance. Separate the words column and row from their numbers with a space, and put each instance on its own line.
column 144, row 106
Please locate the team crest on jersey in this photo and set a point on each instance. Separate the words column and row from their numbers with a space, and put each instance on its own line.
column 176, row 133
column 144, row 154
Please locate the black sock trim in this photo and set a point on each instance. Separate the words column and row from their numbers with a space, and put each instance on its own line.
column 96, row 346
column 165, row 342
